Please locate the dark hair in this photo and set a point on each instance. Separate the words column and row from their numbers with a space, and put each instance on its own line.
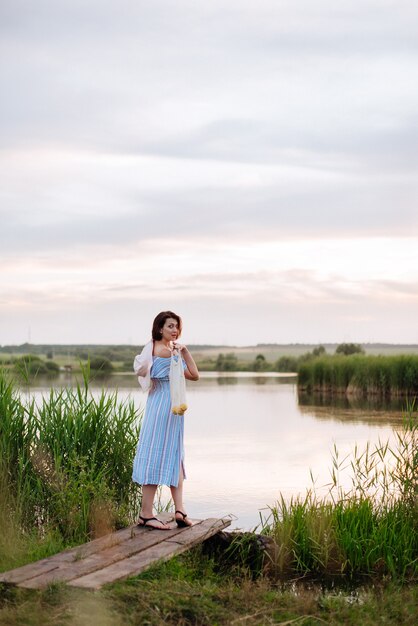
column 159, row 322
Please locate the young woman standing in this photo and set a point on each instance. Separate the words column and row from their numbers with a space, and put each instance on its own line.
column 159, row 458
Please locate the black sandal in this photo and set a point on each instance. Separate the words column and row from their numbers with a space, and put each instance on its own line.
column 145, row 521
column 180, row 522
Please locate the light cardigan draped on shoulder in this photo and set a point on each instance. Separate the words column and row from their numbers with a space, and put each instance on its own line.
column 142, row 366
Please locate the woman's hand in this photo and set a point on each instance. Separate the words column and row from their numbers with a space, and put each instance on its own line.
column 179, row 346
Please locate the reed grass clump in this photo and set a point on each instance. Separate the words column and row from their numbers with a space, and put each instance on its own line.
column 370, row 529
column 387, row 376
column 66, row 463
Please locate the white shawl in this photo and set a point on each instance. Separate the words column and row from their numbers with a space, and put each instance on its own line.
column 142, row 366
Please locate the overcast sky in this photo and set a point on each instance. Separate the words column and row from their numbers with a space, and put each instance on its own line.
column 251, row 165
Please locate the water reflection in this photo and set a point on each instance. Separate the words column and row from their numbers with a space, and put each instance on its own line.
column 353, row 409
column 254, row 380
column 354, row 416
column 376, row 403
column 226, row 380
column 215, row 379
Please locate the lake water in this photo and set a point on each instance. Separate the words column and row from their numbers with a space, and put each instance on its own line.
column 249, row 438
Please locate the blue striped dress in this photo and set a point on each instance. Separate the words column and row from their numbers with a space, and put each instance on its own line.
column 160, row 450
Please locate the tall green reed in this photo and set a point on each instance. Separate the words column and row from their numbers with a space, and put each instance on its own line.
column 361, row 374
column 367, row 529
column 67, row 461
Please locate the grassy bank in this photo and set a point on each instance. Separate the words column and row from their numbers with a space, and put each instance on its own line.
column 361, row 375
column 191, row 591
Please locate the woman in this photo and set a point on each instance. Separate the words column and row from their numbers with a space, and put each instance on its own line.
column 159, row 458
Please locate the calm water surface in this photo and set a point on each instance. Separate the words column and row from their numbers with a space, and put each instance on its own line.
column 249, row 439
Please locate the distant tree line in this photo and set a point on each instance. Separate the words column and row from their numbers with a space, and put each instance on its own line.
column 229, row 362
column 112, row 352
column 29, row 366
column 292, row 364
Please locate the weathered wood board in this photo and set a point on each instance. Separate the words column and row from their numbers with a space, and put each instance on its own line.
column 114, row 557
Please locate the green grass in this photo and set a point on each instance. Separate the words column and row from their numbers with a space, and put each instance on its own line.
column 189, row 591
column 362, row 375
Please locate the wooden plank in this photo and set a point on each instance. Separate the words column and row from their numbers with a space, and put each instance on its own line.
column 30, row 570
column 65, row 571
column 144, row 559
column 26, row 572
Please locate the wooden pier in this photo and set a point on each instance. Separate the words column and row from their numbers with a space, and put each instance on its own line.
column 116, row 556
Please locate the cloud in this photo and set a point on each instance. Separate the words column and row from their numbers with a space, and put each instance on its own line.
column 71, row 202
column 226, row 82
column 211, row 153
column 92, row 317
column 148, row 277
column 333, row 149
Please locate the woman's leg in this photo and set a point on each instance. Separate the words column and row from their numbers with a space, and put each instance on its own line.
column 148, row 494
column 147, row 502
column 177, row 495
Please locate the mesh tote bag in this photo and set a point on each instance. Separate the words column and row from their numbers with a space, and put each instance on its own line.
column 177, row 384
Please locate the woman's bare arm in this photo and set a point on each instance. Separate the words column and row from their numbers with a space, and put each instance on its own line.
column 192, row 373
